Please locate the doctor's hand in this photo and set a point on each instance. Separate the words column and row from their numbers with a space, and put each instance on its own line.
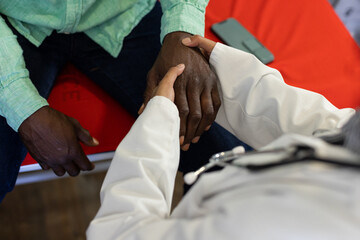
column 196, row 94
column 166, row 85
column 205, row 45
column 52, row 139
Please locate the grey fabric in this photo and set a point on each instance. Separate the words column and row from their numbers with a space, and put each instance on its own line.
column 352, row 133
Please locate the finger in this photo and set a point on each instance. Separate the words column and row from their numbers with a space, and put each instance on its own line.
column 84, row 135
column 208, row 114
column 171, row 75
column 181, row 140
column 82, row 161
column 58, row 170
column 182, row 105
column 152, row 83
column 44, row 166
column 194, row 117
column 205, row 53
column 141, row 109
column 216, row 101
column 185, row 147
column 200, row 42
column 166, row 85
column 216, row 106
column 72, row 169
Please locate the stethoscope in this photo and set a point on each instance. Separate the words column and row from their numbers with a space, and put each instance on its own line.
column 289, row 153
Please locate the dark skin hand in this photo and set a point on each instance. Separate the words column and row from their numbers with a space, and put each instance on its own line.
column 196, row 93
column 52, row 139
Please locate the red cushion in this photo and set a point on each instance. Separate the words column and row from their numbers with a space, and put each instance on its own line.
column 312, row 47
column 312, row 50
column 77, row 96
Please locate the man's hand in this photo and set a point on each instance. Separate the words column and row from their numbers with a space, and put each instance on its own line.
column 52, row 139
column 166, row 85
column 196, row 93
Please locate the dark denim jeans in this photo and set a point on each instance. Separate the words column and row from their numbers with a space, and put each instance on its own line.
column 124, row 78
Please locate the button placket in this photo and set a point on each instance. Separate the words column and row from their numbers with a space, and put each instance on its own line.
column 73, row 16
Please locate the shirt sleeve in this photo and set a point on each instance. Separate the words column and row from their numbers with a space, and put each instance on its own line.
column 258, row 106
column 18, row 96
column 184, row 15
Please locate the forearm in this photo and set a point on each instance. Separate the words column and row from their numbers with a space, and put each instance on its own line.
column 259, row 107
column 139, row 184
column 18, row 96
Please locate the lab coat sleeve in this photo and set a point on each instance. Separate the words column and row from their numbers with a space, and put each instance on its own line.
column 137, row 191
column 138, row 187
column 258, row 106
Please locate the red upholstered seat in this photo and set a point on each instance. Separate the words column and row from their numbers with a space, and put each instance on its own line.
column 312, row 49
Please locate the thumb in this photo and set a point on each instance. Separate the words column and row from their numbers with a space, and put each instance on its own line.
column 200, row 42
column 169, row 79
column 84, row 135
column 166, row 85
column 152, row 83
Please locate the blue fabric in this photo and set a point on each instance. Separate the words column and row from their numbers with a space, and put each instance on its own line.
column 124, row 78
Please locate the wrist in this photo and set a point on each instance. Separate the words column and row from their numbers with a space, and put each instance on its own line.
column 176, row 36
column 33, row 118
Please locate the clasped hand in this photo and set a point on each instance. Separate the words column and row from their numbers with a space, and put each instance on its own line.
column 196, row 93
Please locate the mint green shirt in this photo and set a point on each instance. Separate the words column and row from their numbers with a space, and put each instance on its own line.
column 107, row 22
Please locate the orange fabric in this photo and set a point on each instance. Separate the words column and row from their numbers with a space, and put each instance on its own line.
column 312, row 50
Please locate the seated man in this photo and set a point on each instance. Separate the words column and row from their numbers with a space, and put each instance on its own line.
column 304, row 199
column 116, row 44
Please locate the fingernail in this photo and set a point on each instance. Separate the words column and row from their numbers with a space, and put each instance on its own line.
column 140, row 109
column 180, row 66
column 95, row 141
column 182, row 140
column 185, row 147
column 207, row 128
column 186, row 40
column 196, row 139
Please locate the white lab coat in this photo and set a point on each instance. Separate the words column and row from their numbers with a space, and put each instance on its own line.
column 300, row 201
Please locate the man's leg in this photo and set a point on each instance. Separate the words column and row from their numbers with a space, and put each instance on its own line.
column 43, row 64
column 124, row 78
